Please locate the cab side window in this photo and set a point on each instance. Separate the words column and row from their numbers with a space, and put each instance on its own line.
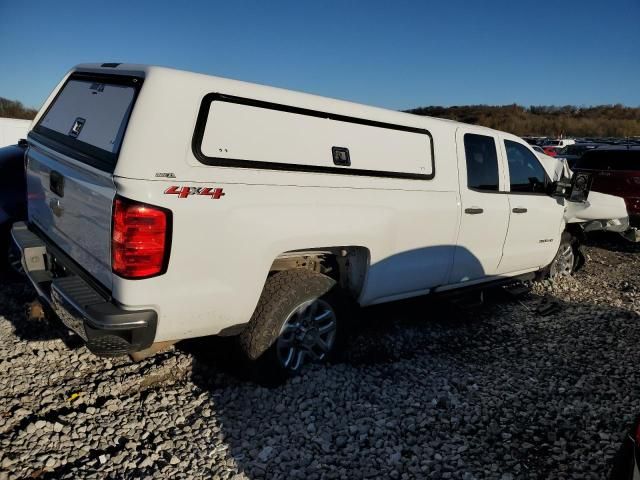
column 482, row 162
column 526, row 173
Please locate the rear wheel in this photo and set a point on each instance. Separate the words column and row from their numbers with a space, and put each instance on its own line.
column 297, row 322
column 308, row 334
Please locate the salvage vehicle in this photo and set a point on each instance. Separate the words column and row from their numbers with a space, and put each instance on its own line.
column 551, row 151
column 615, row 170
column 166, row 205
column 558, row 142
column 13, row 193
column 595, row 212
column 626, row 464
column 571, row 153
column 553, row 146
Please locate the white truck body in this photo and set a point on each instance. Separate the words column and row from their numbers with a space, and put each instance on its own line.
column 255, row 176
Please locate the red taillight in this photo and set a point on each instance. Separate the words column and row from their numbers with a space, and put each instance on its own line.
column 139, row 239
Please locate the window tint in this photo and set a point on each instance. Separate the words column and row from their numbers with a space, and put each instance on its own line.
column 94, row 113
column 576, row 149
column 572, row 150
column 482, row 162
column 628, row 159
column 525, row 171
column 89, row 117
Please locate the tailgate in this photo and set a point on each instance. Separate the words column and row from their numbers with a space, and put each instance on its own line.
column 72, row 154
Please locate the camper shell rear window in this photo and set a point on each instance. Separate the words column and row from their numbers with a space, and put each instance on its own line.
column 88, row 118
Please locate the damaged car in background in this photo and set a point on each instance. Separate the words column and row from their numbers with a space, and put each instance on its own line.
column 615, row 170
column 585, row 210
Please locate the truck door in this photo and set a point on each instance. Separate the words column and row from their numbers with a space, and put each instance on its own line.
column 485, row 210
column 536, row 219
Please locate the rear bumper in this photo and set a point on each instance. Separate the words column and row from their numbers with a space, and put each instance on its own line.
column 107, row 328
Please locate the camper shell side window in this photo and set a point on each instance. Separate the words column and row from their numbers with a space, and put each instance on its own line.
column 246, row 133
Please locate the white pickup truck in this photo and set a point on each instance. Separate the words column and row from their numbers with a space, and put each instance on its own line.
column 165, row 205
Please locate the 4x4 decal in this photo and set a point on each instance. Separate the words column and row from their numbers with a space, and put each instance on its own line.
column 183, row 192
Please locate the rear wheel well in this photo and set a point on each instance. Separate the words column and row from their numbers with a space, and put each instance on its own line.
column 346, row 265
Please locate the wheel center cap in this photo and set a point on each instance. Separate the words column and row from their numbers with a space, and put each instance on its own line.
column 310, row 337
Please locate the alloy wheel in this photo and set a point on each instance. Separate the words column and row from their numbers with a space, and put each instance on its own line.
column 308, row 335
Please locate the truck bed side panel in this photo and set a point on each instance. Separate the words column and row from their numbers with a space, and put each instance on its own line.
column 223, row 248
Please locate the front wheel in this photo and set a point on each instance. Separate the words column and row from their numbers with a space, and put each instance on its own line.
column 565, row 261
column 296, row 322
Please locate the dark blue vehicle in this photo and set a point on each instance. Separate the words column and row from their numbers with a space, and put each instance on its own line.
column 13, row 195
column 626, row 463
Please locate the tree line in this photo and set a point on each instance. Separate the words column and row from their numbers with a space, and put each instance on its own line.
column 14, row 109
column 597, row 121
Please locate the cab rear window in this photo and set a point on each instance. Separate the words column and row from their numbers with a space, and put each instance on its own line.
column 88, row 118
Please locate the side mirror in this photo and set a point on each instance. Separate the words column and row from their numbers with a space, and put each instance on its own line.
column 560, row 188
column 580, row 187
column 575, row 189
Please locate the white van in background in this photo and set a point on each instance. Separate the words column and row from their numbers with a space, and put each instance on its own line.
column 558, row 142
column 12, row 130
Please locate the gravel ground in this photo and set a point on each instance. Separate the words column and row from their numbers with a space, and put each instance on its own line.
column 428, row 390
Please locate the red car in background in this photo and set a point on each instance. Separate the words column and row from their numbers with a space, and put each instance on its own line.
column 551, row 151
column 615, row 170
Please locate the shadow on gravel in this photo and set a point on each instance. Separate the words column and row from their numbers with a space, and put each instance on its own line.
column 213, row 355
column 222, row 354
column 15, row 296
column 611, row 241
column 429, row 390
column 426, row 390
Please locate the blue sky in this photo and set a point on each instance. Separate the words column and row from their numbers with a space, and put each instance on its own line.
column 395, row 54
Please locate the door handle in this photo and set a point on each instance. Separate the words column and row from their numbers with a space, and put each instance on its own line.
column 56, row 207
column 56, row 183
column 519, row 210
column 473, row 210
